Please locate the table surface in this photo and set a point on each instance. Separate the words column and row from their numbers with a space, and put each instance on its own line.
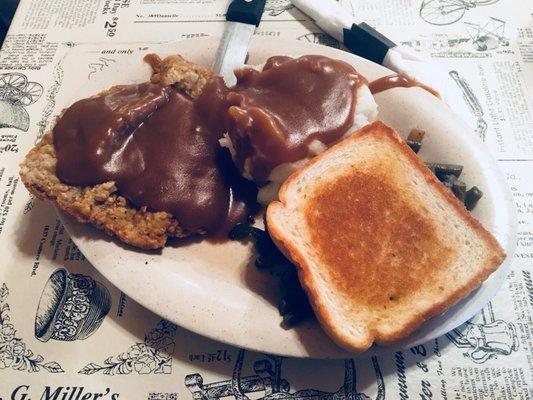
column 134, row 354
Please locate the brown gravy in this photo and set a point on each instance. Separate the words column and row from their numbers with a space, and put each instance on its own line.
column 398, row 80
column 275, row 113
column 160, row 149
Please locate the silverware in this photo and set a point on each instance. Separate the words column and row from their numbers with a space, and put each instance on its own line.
column 242, row 17
column 359, row 38
column 363, row 40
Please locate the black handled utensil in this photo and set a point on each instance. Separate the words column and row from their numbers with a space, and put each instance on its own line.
column 242, row 18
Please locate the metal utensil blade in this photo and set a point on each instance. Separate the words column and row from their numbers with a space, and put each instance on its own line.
column 232, row 50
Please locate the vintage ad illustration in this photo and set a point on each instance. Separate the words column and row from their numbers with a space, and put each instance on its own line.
column 72, row 307
column 472, row 102
column 270, row 385
column 153, row 356
column 14, row 353
column 446, row 12
column 485, row 340
column 16, row 93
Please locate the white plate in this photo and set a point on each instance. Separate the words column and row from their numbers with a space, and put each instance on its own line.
column 210, row 289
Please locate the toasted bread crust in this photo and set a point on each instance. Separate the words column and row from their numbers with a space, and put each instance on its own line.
column 322, row 311
column 102, row 205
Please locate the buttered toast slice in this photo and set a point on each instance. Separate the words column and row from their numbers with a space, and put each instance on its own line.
column 380, row 244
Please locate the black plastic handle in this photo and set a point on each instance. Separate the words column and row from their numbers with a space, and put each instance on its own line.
column 248, row 12
column 366, row 42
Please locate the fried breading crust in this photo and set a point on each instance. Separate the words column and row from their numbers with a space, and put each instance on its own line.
column 184, row 75
column 102, row 205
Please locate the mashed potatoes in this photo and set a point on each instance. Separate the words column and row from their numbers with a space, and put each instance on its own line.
column 365, row 112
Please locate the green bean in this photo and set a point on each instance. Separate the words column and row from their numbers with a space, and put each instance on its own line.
column 295, row 310
column 239, row 232
column 291, row 319
column 472, row 196
column 294, row 306
column 283, row 306
column 414, row 140
column 445, row 169
column 415, row 146
column 459, row 190
column 449, row 180
column 242, row 230
column 416, row 135
column 261, row 263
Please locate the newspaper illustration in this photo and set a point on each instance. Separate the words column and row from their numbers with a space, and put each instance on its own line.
column 473, row 104
column 486, row 340
column 16, row 92
column 14, row 353
column 277, row 7
column 162, row 396
column 100, row 65
column 72, row 307
column 489, row 36
column 478, row 40
column 446, row 12
column 153, row 356
column 268, row 381
column 320, row 38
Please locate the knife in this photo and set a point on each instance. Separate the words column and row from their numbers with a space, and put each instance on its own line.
column 363, row 40
column 359, row 38
column 242, row 17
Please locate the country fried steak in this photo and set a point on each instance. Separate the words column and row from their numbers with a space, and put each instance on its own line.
column 102, row 204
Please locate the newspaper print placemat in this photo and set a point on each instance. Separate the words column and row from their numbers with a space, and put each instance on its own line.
column 105, row 346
